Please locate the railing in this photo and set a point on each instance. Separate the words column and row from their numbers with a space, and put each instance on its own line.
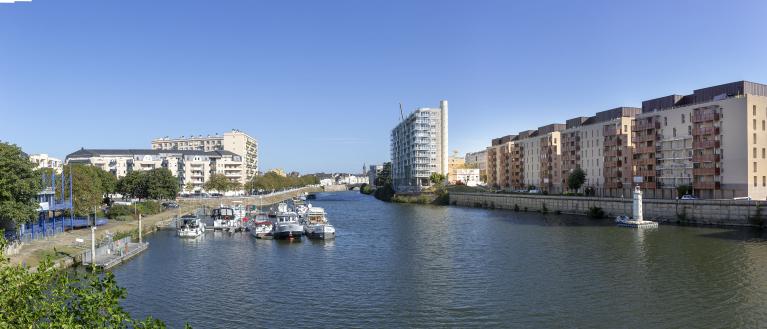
column 706, row 158
column 705, row 116
column 648, row 185
column 705, row 144
column 705, row 131
column 645, row 149
column 613, row 185
column 645, row 173
column 645, row 161
column 646, row 125
column 706, row 171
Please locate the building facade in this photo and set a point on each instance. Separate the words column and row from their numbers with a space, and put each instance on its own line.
column 419, row 147
column 234, row 141
column 467, row 176
column 479, row 161
column 373, row 173
column 712, row 141
column 191, row 167
column 43, row 160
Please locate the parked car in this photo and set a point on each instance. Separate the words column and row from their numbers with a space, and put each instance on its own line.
column 688, row 197
column 536, row 191
column 170, row 205
column 743, row 198
column 216, row 195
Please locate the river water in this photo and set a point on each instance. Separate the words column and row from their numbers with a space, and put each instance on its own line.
column 396, row 265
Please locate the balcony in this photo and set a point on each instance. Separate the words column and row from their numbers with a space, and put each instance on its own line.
column 613, row 153
column 639, row 126
column 705, row 116
column 645, row 138
column 610, row 131
column 645, row 173
column 705, row 144
column 613, row 142
column 706, row 158
column 613, row 185
column 648, row 185
column 645, row 161
column 706, row 185
column 706, row 171
column 644, row 149
column 613, row 164
column 705, row 131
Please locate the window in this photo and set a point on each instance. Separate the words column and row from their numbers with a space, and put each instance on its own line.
column 754, row 181
column 674, row 132
column 689, row 130
column 754, row 138
column 665, row 121
column 754, row 153
column 626, row 128
column 762, row 125
column 754, row 121
column 754, row 166
column 764, row 181
column 763, row 153
column 683, row 118
column 754, row 110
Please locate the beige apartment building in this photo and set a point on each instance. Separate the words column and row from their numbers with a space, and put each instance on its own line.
column 234, row 141
column 478, row 160
column 190, row 166
column 714, row 140
column 43, row 160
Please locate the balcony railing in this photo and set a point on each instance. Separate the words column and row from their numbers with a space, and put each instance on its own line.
column 645, row 173
column 648, row 185
column 613, row 185
column 705, row 116
column 645, row 161
column 705, row 131
column 705, row 144
column 706, row 185
column 706, row 158
column 706, row 171
column 646, row 125
column 645, row 149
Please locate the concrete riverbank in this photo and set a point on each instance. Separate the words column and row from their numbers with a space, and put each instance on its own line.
column 65, row 251
column 704, row 212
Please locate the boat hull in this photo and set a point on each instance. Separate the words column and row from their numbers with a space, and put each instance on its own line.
column 287, row 235
column 321, row 235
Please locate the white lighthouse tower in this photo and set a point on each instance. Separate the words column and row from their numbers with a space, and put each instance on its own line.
column 637, row 219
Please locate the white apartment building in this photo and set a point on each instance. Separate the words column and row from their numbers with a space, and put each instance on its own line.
column 478, row 159
column 190, row 166
column 233, row 141
column 469, row 177
column 43, row 160
column 419, row 147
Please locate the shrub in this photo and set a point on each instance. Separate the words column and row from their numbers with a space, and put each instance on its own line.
column 149, row 207
column 384, row 193
column 119, row 210
column 596, row 212
column 544, row 210
column 516, row 207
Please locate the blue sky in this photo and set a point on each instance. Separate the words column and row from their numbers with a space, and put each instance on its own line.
column 318, row 82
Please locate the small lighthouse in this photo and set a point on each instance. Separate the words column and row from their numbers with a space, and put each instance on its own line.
column 637, row 219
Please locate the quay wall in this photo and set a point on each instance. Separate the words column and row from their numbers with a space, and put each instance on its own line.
column 335, row 188
column 706, row 212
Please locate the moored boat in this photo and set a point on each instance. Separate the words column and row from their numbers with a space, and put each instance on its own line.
column 224, row 219
column 190, row 227
column 286, row 226
column 317, row 225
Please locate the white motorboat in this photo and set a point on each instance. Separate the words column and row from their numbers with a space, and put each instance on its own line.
column 190, row 227
column 261, row 227
column 224, row 219
column 317, row 225
column 287, row 226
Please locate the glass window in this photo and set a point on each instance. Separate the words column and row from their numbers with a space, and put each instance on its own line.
column 682, row 118
column 754, row 153
column 755, row 167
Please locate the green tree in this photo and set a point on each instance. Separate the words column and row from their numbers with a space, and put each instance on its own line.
column 87, row 188
column 53, row 298
column 189, row 187
column 161, row 184
column 437, row 178
column 133, row 185
column 218, row 182
column 384, row 177
column 19, row 185
column 576, row 178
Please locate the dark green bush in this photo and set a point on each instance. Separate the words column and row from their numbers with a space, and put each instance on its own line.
column 119, row 210
column 596, row 212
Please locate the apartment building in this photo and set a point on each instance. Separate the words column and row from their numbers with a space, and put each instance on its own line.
column 43, row 160
column 478, row 160
column 190, row 166
column 713, row 140
column 234, row 141
column 419, row 148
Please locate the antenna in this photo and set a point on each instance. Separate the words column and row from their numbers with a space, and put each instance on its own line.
column 401, row 115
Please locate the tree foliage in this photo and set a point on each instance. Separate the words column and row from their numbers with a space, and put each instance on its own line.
column 219, row 183
column 384, row 177
column 55, row 298
column 437, row 178
column 576, row 179
column 150, row 184
column 19, row 185
column 272, row 181
column 682, row 190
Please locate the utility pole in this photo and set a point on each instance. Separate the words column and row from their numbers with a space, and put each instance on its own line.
column 139, row 228
column 93, row 246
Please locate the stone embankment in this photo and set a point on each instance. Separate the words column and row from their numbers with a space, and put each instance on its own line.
column 706, row 212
